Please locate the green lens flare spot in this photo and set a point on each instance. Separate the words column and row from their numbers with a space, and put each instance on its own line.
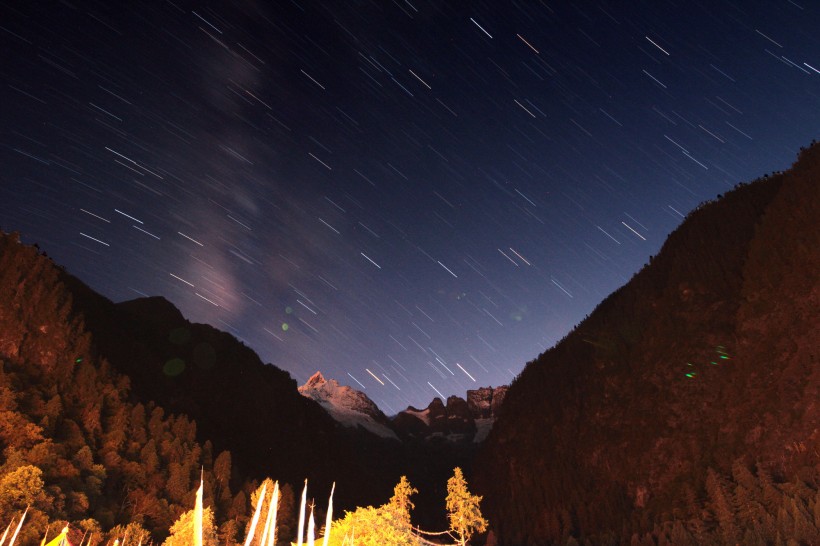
column 77, row 360
column 173, row 367
column 285, row 326
column 288, row 310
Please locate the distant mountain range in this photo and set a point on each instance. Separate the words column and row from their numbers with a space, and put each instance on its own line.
column 459, row 421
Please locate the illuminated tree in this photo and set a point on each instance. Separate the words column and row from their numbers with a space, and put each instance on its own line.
column 371, row 527
column 287, row 512
column 268, row 485
column 131, row 533
column 400, row 502
column 222, row 475
column 182, row 531
column 91, row 531
column 463, row 509
column 21, row 488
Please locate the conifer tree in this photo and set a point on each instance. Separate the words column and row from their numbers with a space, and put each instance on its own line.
column 133, row 532
column 721, row 504
column 463, row 509
column 182, row 531
column 222, row 476
column 400, row 502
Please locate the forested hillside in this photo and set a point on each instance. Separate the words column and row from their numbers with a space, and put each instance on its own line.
column 74, row 447
column 684, row 409
column 108, row 412
column 242, row 405
column 253, row 409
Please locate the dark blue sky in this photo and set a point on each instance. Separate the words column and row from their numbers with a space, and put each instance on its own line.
column 412, row 197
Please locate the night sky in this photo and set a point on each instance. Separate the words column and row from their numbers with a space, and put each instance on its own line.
column 415, row 198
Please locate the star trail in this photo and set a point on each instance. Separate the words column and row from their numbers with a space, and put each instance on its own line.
column 418, row 196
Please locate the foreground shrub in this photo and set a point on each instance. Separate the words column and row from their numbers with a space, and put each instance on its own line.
column 372, row 527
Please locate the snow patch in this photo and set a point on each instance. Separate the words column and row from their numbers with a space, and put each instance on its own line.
column 482, row 427
column 346, row 405
column 422, row 415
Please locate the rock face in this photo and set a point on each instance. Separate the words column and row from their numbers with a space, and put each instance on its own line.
column 485, row 402
column 458, row 421
column 348, row 406
column 698, row 377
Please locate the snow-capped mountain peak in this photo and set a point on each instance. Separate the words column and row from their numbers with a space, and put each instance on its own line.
column 346, row 405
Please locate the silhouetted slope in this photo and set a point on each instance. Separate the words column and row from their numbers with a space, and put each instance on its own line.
column 75, row 447
column 96, row 394
column 706, row 359
column 241, row 404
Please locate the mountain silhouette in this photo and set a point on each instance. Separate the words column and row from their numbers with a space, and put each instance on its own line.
column 239, row 403
column 144, row 356
column 683, row 410
column 687, row 402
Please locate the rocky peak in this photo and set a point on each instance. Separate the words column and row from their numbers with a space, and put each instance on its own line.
column 457, row 408
column 457, row 420
column 485, row 402
column 346, row 405
column 316, row 381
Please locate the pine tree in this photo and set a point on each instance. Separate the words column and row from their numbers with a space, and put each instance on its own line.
column 722, row 507
column 804, row 530
column 182, row 531
column 463, row 509
column 222, row 476
column 268, row 485
column 400, row 502
column 816, row 510
column 131, row 533
column 680, row 536
column 287, row 512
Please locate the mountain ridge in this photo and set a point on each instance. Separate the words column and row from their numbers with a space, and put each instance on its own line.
column 197, row 370
column 215, row 390
column 350, row 407
column 460, row 420
column 704, row 364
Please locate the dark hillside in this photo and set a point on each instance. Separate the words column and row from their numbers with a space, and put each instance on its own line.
column 704, row 364
column 74, row 446
column 117, row 406
column 241, row 404
column 144, row 354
